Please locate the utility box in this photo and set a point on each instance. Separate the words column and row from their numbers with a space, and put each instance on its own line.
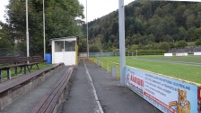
column 65, row 50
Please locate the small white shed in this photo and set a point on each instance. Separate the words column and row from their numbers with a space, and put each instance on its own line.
column 65, row 50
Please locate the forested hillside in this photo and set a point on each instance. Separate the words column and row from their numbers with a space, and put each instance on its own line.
column 149, row 25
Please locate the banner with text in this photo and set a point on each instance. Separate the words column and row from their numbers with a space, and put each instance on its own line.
column 168, row 95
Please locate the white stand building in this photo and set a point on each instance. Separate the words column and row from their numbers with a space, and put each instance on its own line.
column 65, row 50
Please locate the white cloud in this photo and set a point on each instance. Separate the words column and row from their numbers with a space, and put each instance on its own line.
column 3, row 4
column 96, row 8
column 99, row 8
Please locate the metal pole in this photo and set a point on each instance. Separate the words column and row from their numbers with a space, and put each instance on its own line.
column 44, row 28
column 87, row 32
column 122, row 41
column 27, row 28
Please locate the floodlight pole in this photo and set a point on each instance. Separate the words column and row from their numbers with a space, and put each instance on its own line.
column 87, row 32
column 122, row 42
column 27, row 28
column 44, row 43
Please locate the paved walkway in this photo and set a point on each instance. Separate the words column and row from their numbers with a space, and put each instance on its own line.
column 95, row 91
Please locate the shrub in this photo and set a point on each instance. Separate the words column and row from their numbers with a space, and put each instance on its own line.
column 164, row 46
column 181, row 44
column 198, row 42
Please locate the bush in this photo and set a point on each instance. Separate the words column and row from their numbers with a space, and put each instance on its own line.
column 181, row 44
column 164, row 46
column 198, row 42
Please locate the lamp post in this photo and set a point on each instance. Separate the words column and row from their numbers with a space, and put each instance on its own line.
column 44, row 43
column 87, row 32
column 122, row 42
column 27, row 28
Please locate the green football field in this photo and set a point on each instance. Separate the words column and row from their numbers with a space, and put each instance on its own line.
column 186, row 67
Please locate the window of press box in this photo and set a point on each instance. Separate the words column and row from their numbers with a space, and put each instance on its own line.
column 69, row 45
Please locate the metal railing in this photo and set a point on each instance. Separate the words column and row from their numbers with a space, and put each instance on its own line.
column 109, row 66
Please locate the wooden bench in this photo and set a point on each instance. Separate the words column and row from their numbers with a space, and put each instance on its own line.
column 6, row 63
column 38, row 59
column 28, row 61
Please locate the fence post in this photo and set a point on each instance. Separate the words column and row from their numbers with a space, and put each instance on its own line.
column 98, row 62
column 117, row 73
column 113, row 71
column 107, row 66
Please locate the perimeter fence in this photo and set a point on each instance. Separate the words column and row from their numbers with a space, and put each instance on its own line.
column 109, row 66
column 11, row 52
column 186, row 50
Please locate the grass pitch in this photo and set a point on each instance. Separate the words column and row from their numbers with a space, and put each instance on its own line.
column 186, row 67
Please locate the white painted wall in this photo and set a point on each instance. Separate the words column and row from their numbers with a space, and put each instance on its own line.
column 68, row 57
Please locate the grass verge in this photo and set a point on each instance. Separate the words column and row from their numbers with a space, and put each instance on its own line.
column 182, row 71
column 34, row 68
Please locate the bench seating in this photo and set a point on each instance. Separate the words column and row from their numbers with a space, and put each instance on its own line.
column 49, row 102
column 28, row 61
column 9, row 62
column 13, row 90
column 38, row 59
column 6, row 63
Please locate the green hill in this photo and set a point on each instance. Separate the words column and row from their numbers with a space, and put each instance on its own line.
column 149, row 25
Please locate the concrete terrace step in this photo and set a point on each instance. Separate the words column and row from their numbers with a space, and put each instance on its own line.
column 27, row 102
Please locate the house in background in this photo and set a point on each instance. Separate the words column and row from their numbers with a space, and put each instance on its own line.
column 65, row 50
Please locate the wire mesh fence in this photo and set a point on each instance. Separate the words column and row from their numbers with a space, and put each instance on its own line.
column 112, row 67
column 21, row 51
column 187, row 50
column 11, row 52
column 101, row 54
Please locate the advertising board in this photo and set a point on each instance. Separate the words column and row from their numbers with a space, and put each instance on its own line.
column 181, row 54
column 167, row 94
column 199, row 100
column 197, row 53
column 168, row 54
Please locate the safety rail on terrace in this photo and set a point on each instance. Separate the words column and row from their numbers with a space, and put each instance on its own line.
column 109, row 66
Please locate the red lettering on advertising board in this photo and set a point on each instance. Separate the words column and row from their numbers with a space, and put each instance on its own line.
column 160, row 102
column 199, row 93
column 137, row 80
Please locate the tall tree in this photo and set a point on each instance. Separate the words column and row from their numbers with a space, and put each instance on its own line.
column 60, row 21
column 4, row 39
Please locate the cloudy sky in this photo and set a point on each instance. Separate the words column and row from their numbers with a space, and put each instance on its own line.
column 96, row 8
column 3, row 3
column 99, row 8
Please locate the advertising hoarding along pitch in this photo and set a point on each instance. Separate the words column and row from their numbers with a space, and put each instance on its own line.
column 199, row 100
column 167, row 94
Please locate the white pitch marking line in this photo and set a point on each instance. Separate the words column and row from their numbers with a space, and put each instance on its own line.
column 94, row 90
